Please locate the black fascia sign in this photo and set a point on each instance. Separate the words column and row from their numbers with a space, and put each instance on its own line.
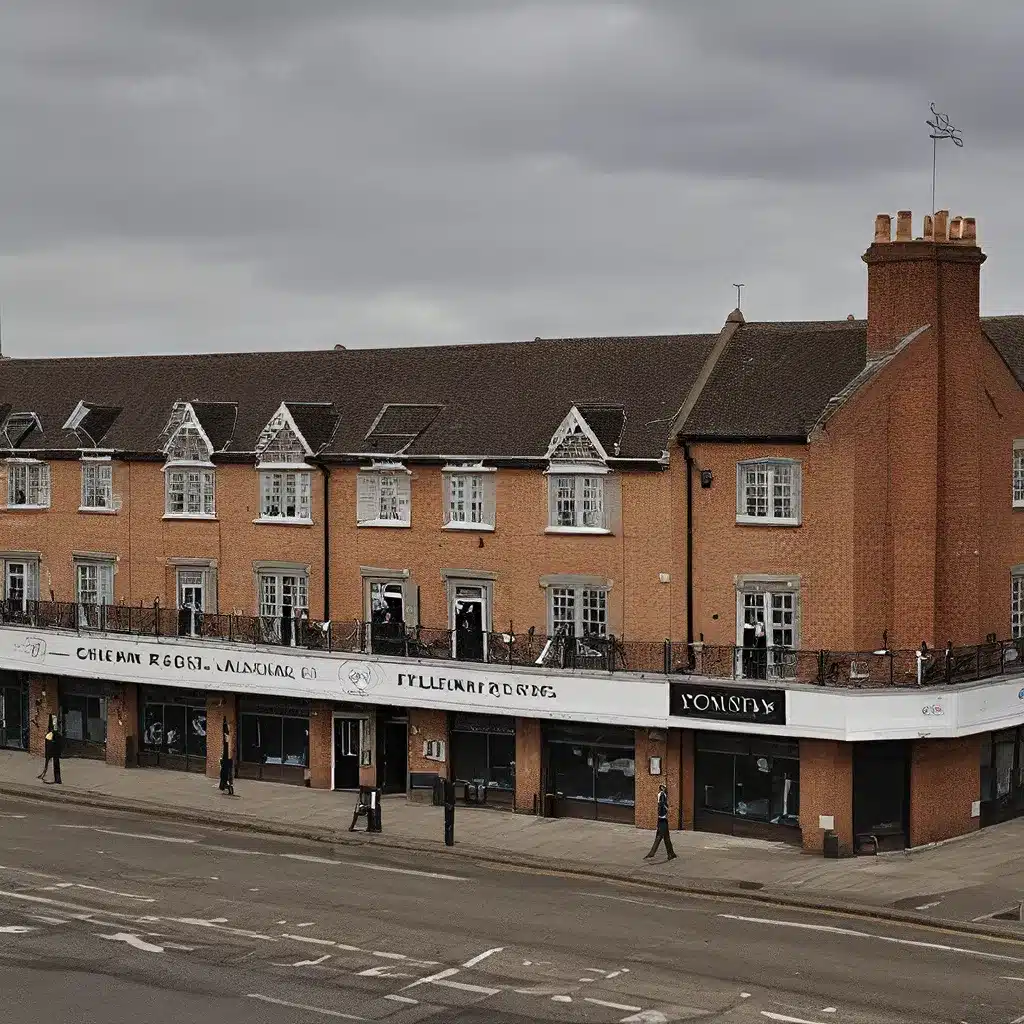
column 728, row 704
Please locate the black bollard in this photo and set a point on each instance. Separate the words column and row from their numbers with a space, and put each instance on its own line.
column 449, row 812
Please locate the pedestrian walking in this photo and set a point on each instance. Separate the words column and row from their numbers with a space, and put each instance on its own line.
column 58, row 749
column 51, row 725
column 662, row 833
column 227, row 765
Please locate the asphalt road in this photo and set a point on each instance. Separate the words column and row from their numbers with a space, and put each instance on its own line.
column 117, row 918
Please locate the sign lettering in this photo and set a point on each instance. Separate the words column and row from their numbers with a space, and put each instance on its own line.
column 727, row 704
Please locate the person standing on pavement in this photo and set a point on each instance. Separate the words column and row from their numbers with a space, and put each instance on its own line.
column 58, row 749
column 51, row 725
column 662, row 833
column 227, row 782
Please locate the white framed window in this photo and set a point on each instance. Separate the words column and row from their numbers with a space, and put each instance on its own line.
column 577, row 502
column 1017, row 606
column 578, row 611
column 94, row 590
column 191, row 492
column 284, row 602
column 767, row 628
column 286, row 494
column 97, row 486
column 1018, row 473
column 21, row 581
column 768, row 492
column 28, row 485
column 384, row 497
column 469, row 498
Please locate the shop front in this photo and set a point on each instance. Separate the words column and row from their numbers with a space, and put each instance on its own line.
column 82, row 716
column 172, row 728
column 273, row 740
column 1002, row 776
column 589, row 771
column 13, row 711
column 483, row 749
column 747, row 785
column 881, row 795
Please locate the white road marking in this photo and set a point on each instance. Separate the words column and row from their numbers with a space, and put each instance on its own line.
column 928, row 906
column 595, row 970
column 1019, row 1020
column 561, row 999
column 646, row 1017
column 25, row 871
column 1010, row 978
column 177, row 945
column 447, row 973
column 198, row 922
column 834, row 930
column 240, row 850
column 96, row 888
column 16, row 929
column 302, row 1006
column 462, row 986
column 627, row 899
column 827, row 1009
column 310, row 939
column 312, row 963
column 482, row 956
column 783, row 1017
column 310, row 859
column 391, row 956
column 306, row 924
column 135, row 835
column 403, row 999
column 612, row 1006
column 12, row 815
column 47, row 920
column 47, row 901
column 134, row 941
column 384, row 971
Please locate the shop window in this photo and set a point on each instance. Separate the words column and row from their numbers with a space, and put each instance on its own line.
column 484, row 751
column 83, row 718
column 175, row 729
column 274, row 739
column 14, row 717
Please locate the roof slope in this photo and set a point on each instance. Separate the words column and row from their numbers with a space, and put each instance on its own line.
column 501, row 401
column 1007, row 335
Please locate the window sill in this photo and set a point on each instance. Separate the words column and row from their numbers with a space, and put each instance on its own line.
column 470, row 527
column 393, row 524
column 186, row 516
column 765, row 521
column 28, row 508
column 282, row 521
column 1018, row 504
column 97, row 510
column 592, row 531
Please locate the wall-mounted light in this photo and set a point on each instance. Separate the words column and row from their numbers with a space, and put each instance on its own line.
column 706, row 478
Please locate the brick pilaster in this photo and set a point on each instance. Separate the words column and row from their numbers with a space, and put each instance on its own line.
column 123, row 726
column 528, row 766
column 218, row 707
column 42, row 702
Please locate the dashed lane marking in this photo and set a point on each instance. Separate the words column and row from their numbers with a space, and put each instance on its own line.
column 134, row 941
column 96, row 888
column 462, row 986
column 834, row 930
column 323, row 1011
column 312, row 859
column 16, row 929
column 473, row 961
column 408, row 1000
column 181, row 841
column 613, row 1006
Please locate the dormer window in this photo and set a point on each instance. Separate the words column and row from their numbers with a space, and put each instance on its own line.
column 583, row 494
column 284, row 474
column 190, row 477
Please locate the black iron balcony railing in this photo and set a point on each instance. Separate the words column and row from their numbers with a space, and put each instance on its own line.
column 773, row 665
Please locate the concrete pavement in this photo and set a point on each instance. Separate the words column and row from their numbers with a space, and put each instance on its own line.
column 964, row 881
column 111, row 917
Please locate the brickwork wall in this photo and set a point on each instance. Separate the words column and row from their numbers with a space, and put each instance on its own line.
column 321, row 744
column 427, row 725
column 123, row 726
column 218, row 708
column 368, row 741
column 945, row 779
column 528, row 765
column 687, row 749
column 42, row 702
column 826, row 787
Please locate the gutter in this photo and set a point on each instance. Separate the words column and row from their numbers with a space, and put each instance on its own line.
column 688, row 457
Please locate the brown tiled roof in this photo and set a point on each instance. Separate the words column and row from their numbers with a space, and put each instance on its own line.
column 500, row 400
column 775, row 379
column 317, row 421
column 218, row 422
column 607, row 422
column 1007, row 335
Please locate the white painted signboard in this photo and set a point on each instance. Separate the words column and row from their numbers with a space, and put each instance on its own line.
column 362, row 679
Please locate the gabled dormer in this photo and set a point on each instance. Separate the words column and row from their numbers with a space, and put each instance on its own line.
column 185, row 441
column 19, row 427
column 281, row 443
column 189, row 474
column 282, row 459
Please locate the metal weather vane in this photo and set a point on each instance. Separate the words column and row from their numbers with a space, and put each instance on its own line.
column 941, row 129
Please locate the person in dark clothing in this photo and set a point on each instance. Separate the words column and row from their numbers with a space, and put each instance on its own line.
column 227, row 773
column 662, row 833
column 51, row 727
column 58, row 749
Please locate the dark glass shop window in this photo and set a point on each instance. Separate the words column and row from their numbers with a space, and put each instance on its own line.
column 296, row 741
column 572, row 771
column 84, row 718
column 615, row 777
column 469, row 756
column 196, row 741
column 717, row 779
column 502, row 762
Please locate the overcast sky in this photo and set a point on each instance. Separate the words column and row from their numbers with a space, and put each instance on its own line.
column 186, row 175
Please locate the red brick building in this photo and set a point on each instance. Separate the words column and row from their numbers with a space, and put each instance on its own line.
column 559, row 572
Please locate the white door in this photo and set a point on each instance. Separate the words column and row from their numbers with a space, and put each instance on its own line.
column 16, row 586
column 191, row 602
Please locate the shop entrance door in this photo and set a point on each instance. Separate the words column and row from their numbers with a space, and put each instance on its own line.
column 14, row 717
column 392, row 755
column 346, row 753
column 469, row 637
column 881, row 794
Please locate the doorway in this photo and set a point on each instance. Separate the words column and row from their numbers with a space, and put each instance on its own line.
column 346, row 753
column 392, row 754
column 190, row 602
column 881, row 794
column 469, row 618
column 387, row 618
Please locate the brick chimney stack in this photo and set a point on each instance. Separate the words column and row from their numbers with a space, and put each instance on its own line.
column 934, row 532
column 917, row 281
